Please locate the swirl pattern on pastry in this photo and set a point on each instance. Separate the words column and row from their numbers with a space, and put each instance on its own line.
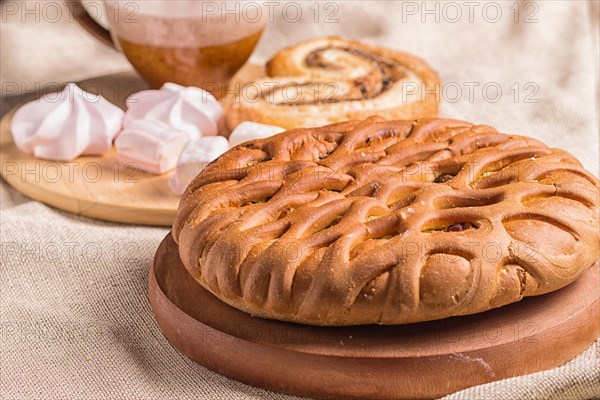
column 329, row 80
column 387, row 222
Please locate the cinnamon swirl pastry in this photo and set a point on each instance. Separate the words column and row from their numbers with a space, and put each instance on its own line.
column 387, row 222
column 328, row 80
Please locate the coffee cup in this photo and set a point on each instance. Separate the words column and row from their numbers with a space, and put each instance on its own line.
column 189, row 42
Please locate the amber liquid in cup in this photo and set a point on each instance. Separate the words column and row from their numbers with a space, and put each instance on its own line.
column 191, row 50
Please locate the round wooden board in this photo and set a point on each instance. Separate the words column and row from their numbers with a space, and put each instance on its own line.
column 425, row 360
column 97, row 187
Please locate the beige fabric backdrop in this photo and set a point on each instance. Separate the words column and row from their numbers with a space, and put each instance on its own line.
column 74, row 316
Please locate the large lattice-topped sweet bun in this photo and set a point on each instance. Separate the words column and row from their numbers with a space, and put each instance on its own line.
column 387, row 222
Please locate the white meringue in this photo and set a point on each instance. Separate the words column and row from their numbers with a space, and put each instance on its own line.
column 62, row 126
column 194, row 158
column 188, row 109
column 249, row 130
column 150, row 145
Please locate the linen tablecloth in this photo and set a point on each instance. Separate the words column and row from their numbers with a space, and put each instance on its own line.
column 74, row 315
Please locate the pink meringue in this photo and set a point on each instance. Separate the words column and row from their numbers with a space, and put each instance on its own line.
column 150, row 145
column 249, row 130
column 188, row 109
column 62, row 126
column 194, row 158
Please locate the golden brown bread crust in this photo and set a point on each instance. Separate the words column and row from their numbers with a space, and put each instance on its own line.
column 327, row 80
column 387, row 222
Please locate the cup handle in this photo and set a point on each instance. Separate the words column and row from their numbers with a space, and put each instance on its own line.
column 88, row 23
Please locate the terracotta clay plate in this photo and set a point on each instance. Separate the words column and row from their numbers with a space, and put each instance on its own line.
column 424, row 360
